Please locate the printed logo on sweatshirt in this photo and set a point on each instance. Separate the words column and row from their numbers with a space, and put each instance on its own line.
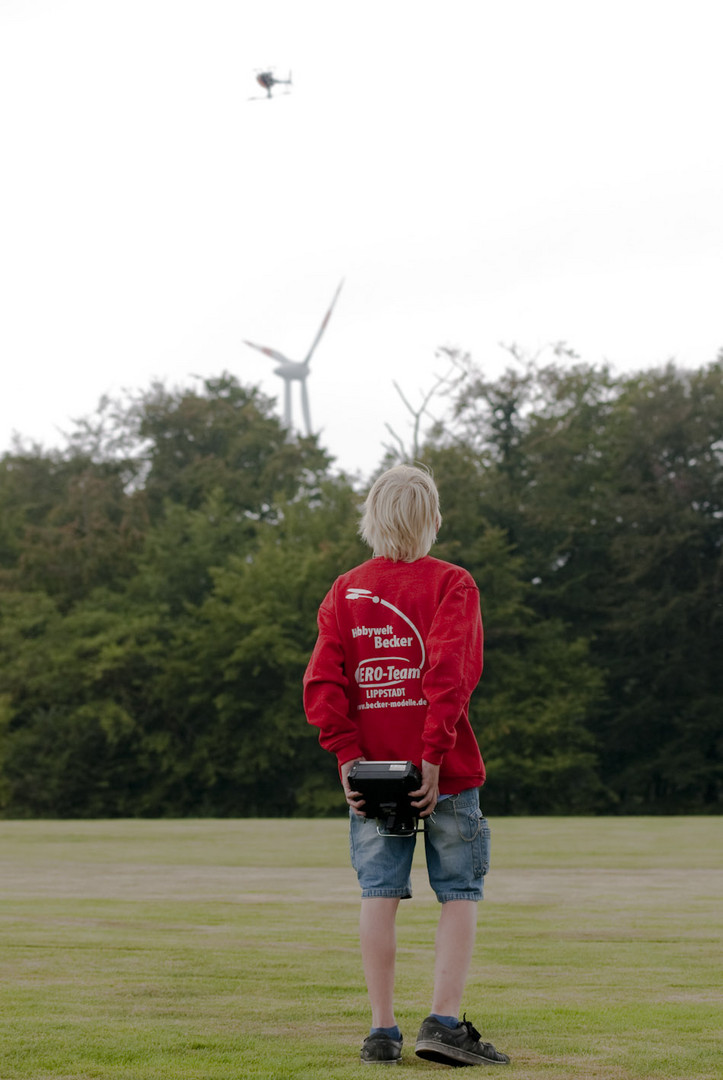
column 383, row 675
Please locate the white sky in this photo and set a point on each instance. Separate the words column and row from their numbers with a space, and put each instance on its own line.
column 479, row 172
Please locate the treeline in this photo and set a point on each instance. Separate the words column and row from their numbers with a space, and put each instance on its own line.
column 160, row 577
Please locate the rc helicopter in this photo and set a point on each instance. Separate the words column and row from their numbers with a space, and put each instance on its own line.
column 267, row 80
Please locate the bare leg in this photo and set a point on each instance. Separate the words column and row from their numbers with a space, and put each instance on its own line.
column 455, row 942
column 377, row 934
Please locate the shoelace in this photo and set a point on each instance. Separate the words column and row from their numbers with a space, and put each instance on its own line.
column 471, row 1029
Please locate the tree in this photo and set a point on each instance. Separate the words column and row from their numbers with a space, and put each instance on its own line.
column 74, row 689
column 160, row 578
column 660, row 641
column 232, row 683
column 539, row 685
column 107, row 632
column 68, row 524
column 224, row 439
column 609, row 491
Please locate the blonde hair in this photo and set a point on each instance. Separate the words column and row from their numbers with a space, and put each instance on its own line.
column 401, row 515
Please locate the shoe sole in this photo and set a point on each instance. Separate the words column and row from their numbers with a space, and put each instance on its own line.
column 451, row 1055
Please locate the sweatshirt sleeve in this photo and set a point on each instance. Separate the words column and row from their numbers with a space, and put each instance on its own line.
column 454, row 650
column 325, row 690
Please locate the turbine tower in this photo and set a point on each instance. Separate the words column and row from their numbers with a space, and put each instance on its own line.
column 297, row 369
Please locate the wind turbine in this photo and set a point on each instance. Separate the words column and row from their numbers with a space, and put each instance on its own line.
column 297, row 369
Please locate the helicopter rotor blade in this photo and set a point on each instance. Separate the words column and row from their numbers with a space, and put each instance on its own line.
column 322, row 328
column 268, row 352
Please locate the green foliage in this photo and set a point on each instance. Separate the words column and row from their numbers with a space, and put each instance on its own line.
column 160, row 579
column 67, row 525
column 239, row 658
column 610, row 492
column 161, row 673
column 223, row 440
column 76, row 685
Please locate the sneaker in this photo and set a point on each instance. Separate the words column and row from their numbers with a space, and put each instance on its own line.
column 456, row 1046
column 381, row 1049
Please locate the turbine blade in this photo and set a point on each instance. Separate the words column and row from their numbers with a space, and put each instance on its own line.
column 267, row 352
column 322, row 328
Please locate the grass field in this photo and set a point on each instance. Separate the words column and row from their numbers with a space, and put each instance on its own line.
column 224, row 949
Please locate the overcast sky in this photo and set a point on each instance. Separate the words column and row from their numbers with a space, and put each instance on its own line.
column 478, row 172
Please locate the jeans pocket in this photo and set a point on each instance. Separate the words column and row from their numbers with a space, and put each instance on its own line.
column 469, row 822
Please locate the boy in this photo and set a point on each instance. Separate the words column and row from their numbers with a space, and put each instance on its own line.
column 398, row 655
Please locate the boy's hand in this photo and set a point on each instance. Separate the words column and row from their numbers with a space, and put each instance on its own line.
column 425, row 799
column 354, row 798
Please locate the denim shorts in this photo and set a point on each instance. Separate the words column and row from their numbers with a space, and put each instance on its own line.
column 456, row 844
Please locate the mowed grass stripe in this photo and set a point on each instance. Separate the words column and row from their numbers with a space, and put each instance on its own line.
column 170, row 949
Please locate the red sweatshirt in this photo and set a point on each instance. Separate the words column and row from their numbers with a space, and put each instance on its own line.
column 398, row 655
